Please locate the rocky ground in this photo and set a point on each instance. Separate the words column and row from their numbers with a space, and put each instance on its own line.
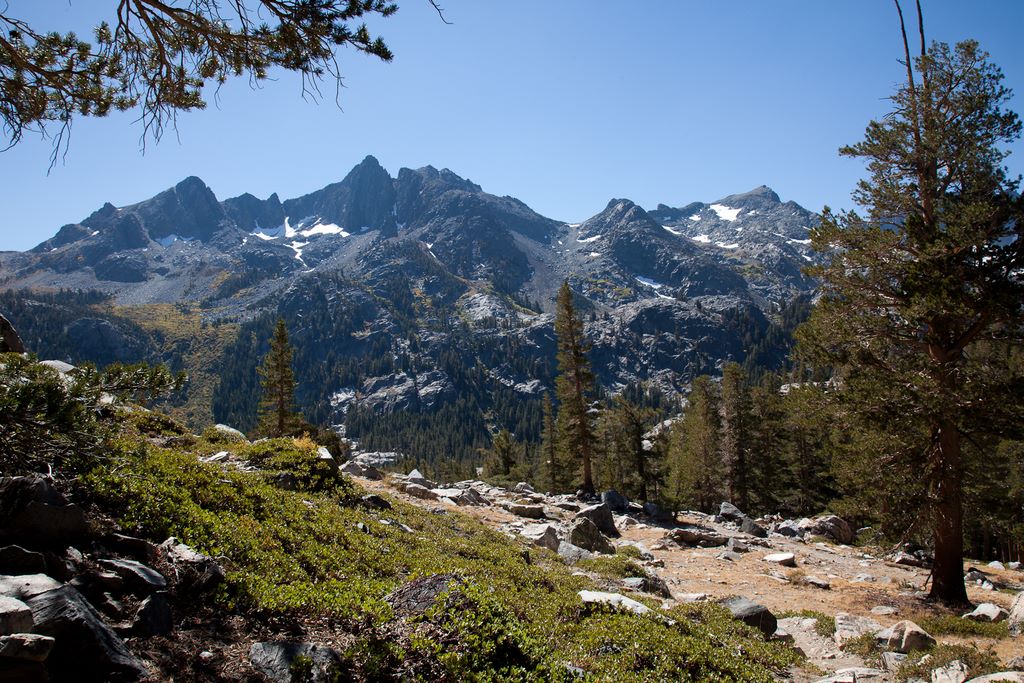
column 787, row 567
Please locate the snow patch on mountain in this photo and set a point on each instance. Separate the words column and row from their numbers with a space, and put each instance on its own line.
column 649, row 282
column 705, row 239
column 726, row 213
column 672, row 230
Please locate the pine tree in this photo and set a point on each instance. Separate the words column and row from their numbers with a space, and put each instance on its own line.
column 767, row 444
column 735, row 414
column 695, row 467
column 277, row 409
column 573, row 388
column 930, row 271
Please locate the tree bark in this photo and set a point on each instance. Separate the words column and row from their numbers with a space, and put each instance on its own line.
column 948, row 570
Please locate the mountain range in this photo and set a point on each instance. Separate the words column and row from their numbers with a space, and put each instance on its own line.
column 419, row 292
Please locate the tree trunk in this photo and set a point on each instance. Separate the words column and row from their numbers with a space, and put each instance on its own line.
column 948, row 570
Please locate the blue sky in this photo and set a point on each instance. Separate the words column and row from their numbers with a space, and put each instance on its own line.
column 564, row 105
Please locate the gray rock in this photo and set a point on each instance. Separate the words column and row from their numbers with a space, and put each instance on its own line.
column 789, row 528
column 16, row 560
column 601, row 516
column 136, row 548
column 850, row 627
column 954, row 672
column 1016, row 617
column 648, row 583
column 883, row 610
column 15, row 616
column 737, row 546
column 30, row 647
column 615, row 501
column 893, row 660
column 856, row 674
column 816, row 582
column 1002, row 677
column 525, row 510
column 1017, row 663
column 616, row 600
column 781, row 559
column 25, row 586
column 138, row 577
column 85, row 648
column 905, row 636
column 274, row 660
column 749, row 526
column 355, row 468
column 523, row 487
column 696, row 536
column 730, row 512
column 194, row 571
column 154, row 617
column 419, row 491
column 417, row 596
column 906, row 559
column 36, row 514
column 543, row 535
column 572, row 554
column 730, row 556
column 375, row 502
column 751, row 614
column 10, row 341
column 230, row 433
column 585, row 534
column 654, row 511
column 832, row 527
column 987, row 611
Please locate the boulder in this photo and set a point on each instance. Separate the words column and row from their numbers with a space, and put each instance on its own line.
column 751, row 614
column 749, row 526
column 416, row 477
column 730, row 512
column 850, row 627
column 194, row 570
column 997, row 565
column 735, row 545
column 648, row 583
column 417, row 596
column 138, row 578
column 529, row 511
column 30, row 647
column 229, row 433
column 26, row 586
column 375, row 502
column 85, row 648
column 1002, row 677
column 830, row 526
column 136, row 548
column 585, row 534
column 36, row 514
column 654, row 511
column 543, row 535
column 355, row 468
column 154, row 617
column 601, row 516
column 16, row 560
column 10, row 341
column 572, row 554
column 987, row 611
column 954, row 672
column 789, row 528
column 419, row 491
column 856, row 674
column 1016, row 616
column 615, row 501
column 696, row 536
column 904, row 636
column 274, row 659
column 781, row 559
column 615, row 600
column 523, row 487
column 15, row 616
column 816, row 582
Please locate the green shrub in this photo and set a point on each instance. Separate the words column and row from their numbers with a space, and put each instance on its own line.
column 617, row 566
column 978, row 662
column 298, row 458
column 950, row 624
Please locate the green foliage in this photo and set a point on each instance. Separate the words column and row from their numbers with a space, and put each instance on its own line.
column 979, row 662
column 302, row 553
column 49, row 420
column 952, row 625
column 621, row 565
column 297, row 458
column 161, row 57
column 695, row 465
column 574, row 385
column 277, row 408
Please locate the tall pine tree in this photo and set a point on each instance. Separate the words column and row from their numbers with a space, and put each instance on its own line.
column 277, row 409
column 695, row 466
column 735, row 413
column 931, row 270
column 573, row 388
